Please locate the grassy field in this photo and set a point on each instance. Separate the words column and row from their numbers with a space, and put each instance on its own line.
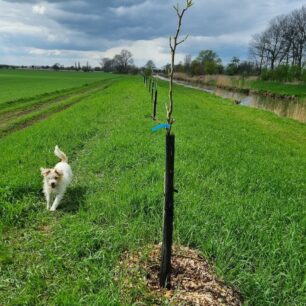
column 241, row 178
column 19, row 114
column 248, row 83
column 298, row 90
column 18, row 84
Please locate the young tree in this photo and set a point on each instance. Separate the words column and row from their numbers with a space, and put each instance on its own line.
column 173, row 43
column 165, row 269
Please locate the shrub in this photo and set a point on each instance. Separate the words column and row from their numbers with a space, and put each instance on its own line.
column 294, row 73
column 282, row 73
column 303, row 75
column 266, row 75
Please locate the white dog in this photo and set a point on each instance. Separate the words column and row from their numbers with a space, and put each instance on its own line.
column 56, row 179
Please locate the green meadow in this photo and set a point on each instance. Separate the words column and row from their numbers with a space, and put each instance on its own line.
column 22, row 84
column 296, row 90
column 240, row 173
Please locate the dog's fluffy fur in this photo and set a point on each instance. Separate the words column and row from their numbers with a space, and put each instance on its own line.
column 56, row 179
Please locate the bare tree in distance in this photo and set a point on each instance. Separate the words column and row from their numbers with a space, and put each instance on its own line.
column 187, row 63
column 107, row 64
column 257, row 51
column 150, row 64
column 282, row 43
column 121, row 63
column 149, row 67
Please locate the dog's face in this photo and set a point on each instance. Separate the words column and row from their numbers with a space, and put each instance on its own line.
column 51, row 176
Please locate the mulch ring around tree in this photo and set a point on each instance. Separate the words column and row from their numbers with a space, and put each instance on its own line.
column 193, row 281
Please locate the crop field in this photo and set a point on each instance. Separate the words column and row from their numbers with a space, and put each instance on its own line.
column 22, row 84
column 21, row 112
column 240, row 173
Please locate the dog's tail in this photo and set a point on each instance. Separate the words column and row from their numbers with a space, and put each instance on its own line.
column 61, row 155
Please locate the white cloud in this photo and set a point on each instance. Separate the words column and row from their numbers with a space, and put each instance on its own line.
column 134, row 10
column 51, row 53
column 39, row 9
column 233, row 39
column 60, row 30
column 143, row 50
column 10, row 27
column 66, row 57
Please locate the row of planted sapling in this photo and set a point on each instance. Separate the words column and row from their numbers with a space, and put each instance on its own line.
column 151, row 83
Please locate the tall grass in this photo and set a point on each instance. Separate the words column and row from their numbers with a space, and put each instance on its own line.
column 241, row 202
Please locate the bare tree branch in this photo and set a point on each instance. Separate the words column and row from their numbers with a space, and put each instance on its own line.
column 173, row 42
column 184, row 39
column 170, row 43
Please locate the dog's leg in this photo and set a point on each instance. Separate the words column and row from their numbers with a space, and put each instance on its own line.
column 56, row 201
column 48, row 199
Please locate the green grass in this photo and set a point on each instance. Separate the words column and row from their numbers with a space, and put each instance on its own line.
column 23, row 113
column 17, row 84
column 298, row 90
column 242, row 191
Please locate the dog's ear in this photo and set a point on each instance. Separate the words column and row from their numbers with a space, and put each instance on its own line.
column 59, row 172
column 44, row 172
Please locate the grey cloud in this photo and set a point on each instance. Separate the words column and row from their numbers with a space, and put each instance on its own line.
column 104, row 24
column 139, row 19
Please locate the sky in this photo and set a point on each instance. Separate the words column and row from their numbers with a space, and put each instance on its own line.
column 67, row 31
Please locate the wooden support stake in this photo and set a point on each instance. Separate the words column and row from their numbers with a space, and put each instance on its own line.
column 165, row 269
column 154, row 105
column 150, row 83
column 152, row 93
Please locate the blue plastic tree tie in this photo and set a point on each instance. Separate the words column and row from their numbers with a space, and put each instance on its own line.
column 161, row 126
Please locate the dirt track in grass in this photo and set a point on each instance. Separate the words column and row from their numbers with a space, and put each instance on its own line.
column 20, row 119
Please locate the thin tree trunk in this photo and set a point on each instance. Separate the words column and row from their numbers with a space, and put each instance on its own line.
column 165, row 269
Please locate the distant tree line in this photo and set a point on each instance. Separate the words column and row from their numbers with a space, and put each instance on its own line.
column 279, row 51
column 55, row 67
column 120, row 63
column 209, row 62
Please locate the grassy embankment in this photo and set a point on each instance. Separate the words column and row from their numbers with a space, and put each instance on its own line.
column 242, row 191
column 293, row 90
column 247, row 85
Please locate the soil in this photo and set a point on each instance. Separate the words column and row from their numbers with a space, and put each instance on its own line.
column 193, row 280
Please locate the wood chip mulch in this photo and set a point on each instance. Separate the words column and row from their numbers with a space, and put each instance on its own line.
column 193, row 281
